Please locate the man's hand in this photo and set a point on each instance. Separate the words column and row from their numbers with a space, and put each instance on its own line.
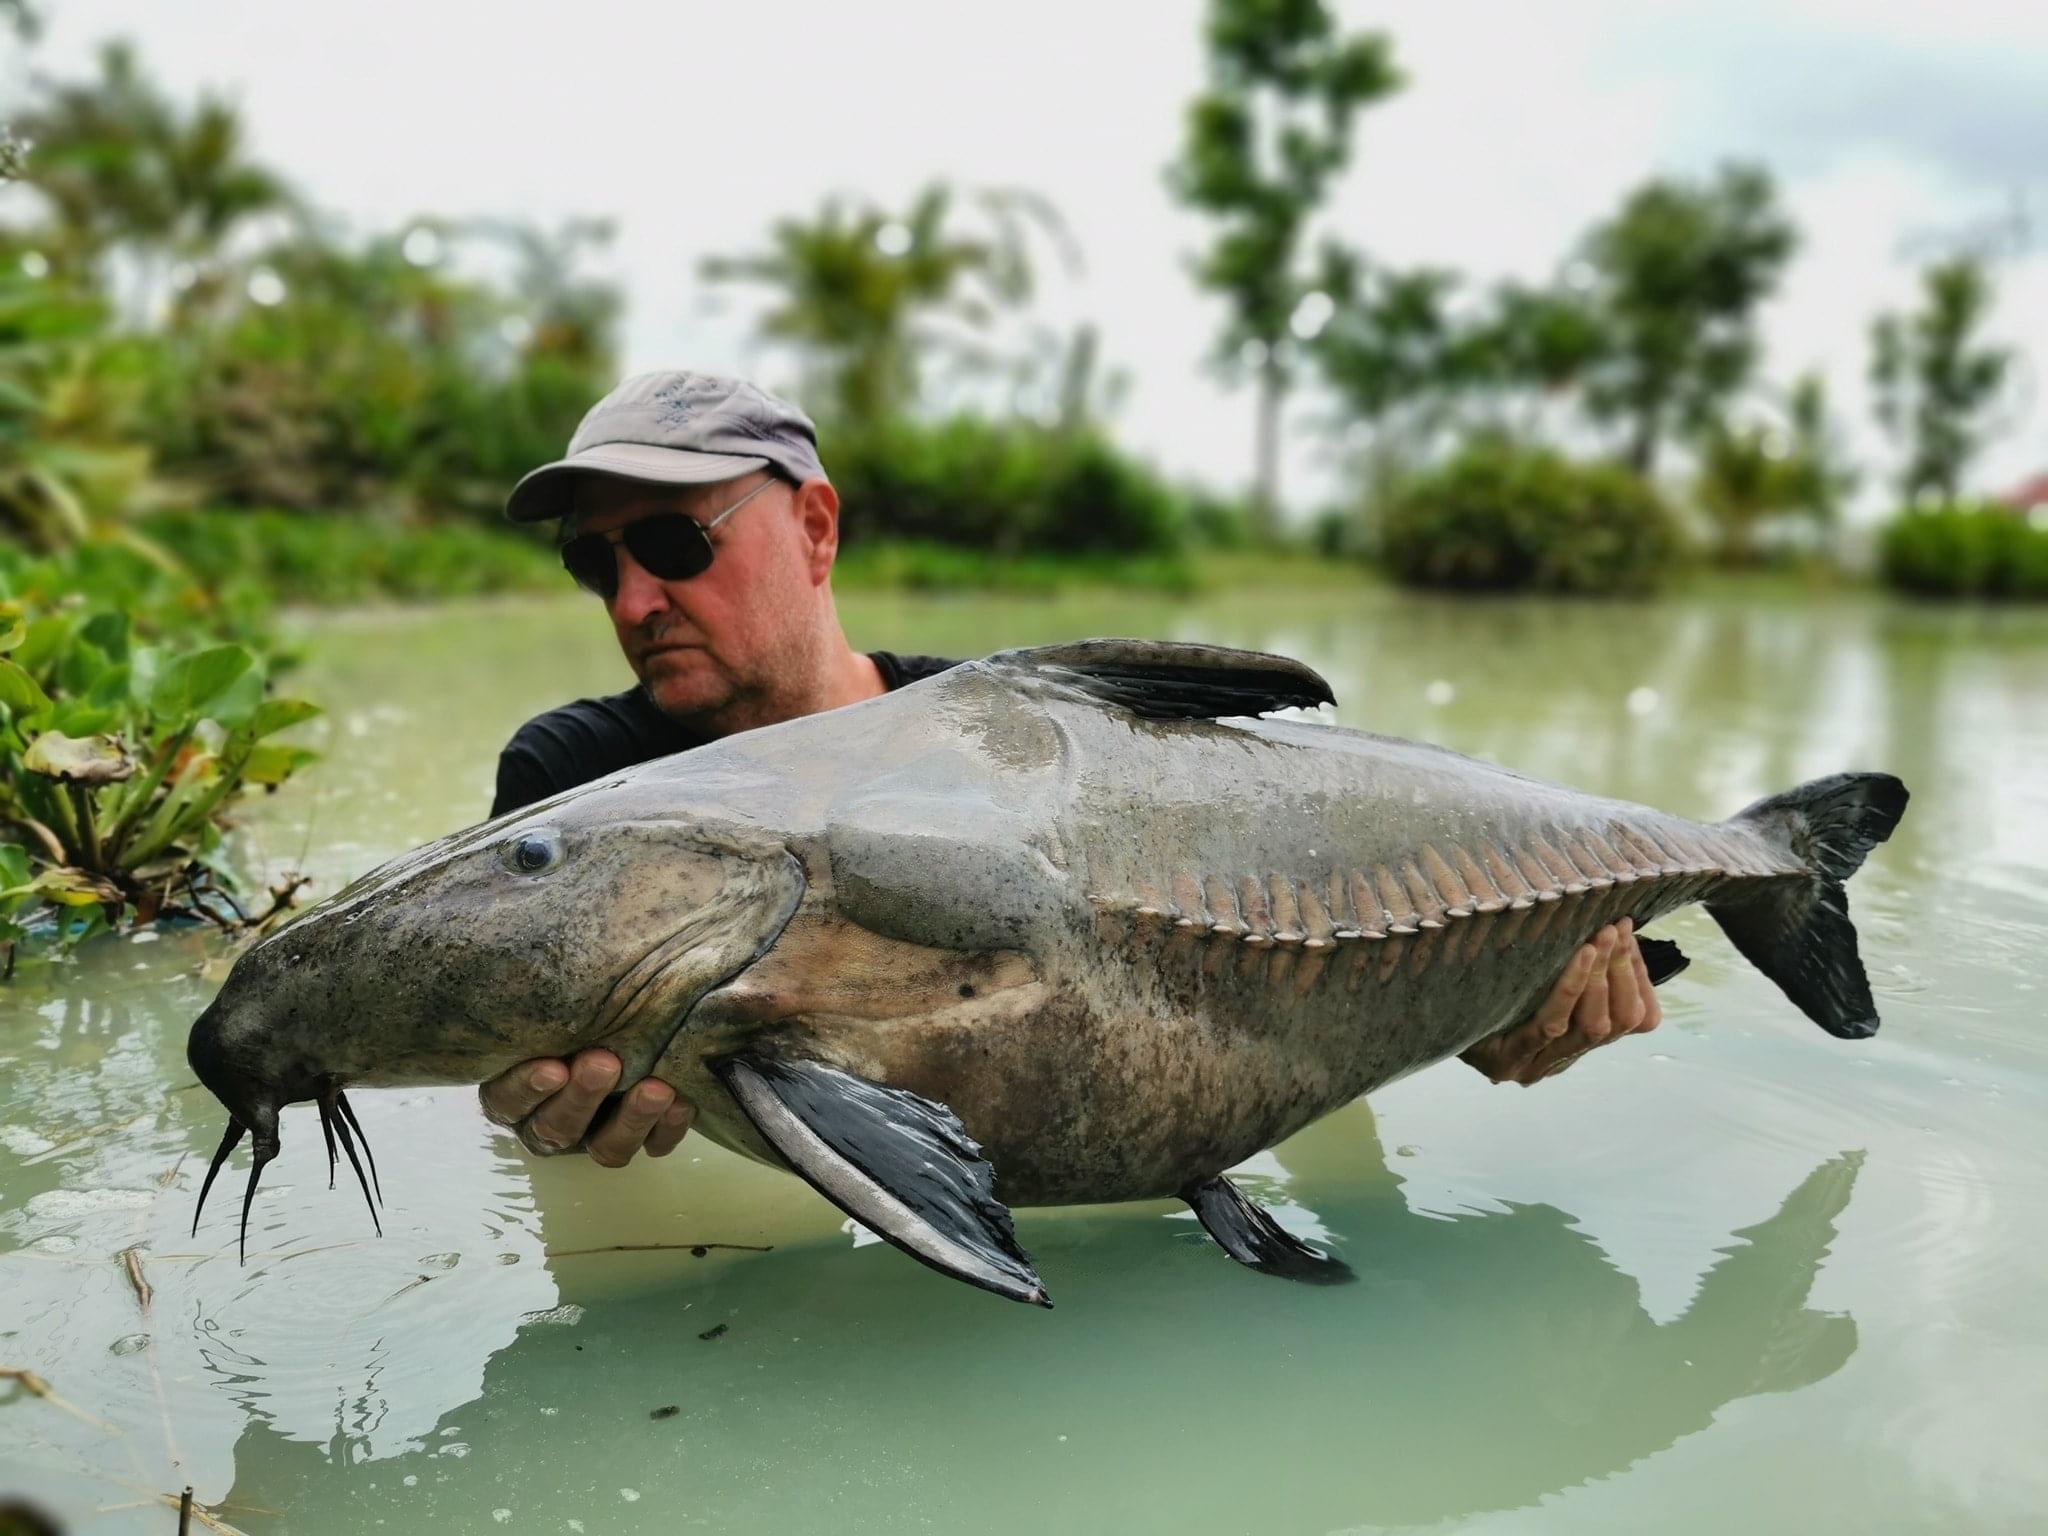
column 1605, row 993
column 552, row 1104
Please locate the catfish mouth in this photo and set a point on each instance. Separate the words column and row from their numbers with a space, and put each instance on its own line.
column 253, row 1104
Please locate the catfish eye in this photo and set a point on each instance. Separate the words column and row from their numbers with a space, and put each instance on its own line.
column 534, row 852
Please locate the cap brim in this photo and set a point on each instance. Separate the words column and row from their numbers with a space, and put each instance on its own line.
column 545, row 492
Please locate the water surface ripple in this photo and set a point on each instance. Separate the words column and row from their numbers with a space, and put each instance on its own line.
column 1735, row 1275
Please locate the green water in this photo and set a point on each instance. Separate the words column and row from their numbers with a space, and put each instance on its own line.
column 1735, row 1275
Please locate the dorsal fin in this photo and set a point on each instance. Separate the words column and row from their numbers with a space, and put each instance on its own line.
column 1171, row 680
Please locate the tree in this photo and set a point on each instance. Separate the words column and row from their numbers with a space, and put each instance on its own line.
column 22, row 19
column 70, row 467
column 1823, row 480
column 1752, row 473
column 1392, row 338
column 126, row 172
column 1745, row 476
column 1677, row 276
column 866, row 296
column 568, row 314
column 13, row 155
column 1535, row 344
column 1934, row 384
column 1260, row 149
column 1417, row 366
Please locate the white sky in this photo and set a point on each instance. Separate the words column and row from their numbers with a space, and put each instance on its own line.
column 694, row 125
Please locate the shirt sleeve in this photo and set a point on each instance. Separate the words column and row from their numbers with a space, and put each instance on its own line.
column 521, row 780
column 578, row 742
column 899, row 670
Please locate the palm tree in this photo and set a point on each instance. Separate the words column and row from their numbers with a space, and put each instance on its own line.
column 866, row 295
column 574, row 316
column 129, row 174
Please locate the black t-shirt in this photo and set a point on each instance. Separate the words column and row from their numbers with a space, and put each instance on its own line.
column 585, row 740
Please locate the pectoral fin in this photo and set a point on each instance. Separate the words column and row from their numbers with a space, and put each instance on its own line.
column 1245, row 1231
column 901, row 1165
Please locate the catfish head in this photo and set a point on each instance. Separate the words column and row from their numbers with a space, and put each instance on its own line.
column 594, row 918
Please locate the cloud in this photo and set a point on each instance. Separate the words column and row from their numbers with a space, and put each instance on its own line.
column 1812, row 86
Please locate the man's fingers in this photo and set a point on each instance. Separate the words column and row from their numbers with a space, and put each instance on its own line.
column 670, row 1130
column 565, row 1118
column 1604, row 993
column 1556, row 1012
column 614, row 1143
column 1590, row 1019
column 512, row 1095
column 1624, row 994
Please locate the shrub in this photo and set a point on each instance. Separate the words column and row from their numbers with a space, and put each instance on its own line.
column 907, row 565
column 325, row 558
column 1965, row 551
column 1503, row 517
column 1000, row 487
column 119, row 755
column 1218, row 522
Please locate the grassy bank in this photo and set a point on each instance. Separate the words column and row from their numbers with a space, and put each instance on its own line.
column 333, row 559
column 338, row 560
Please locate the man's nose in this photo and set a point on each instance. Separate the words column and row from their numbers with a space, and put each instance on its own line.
column 639, row 594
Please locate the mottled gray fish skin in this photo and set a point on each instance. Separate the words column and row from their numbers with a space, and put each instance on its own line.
column 1127, row 953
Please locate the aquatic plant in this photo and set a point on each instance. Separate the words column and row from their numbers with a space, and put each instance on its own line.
column 119, row 760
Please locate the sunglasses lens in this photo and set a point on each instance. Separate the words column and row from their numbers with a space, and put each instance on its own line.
column 590, row 560
column 670, row 547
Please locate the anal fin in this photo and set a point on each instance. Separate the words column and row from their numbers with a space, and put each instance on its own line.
column 1662, row 959
column 1245, row 1231
column 901, row 1165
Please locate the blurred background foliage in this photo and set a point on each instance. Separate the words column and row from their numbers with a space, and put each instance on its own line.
column 215, row 397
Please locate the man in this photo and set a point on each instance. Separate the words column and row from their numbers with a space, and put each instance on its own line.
column 695, row 507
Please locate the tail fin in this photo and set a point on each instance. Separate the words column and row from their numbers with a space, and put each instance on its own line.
column 1800, row 935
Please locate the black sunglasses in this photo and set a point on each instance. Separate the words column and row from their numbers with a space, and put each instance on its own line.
column 669, row 546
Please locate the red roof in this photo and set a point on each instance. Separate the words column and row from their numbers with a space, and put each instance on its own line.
column 2028, row 494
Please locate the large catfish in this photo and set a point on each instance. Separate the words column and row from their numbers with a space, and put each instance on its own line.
column 1066, row 925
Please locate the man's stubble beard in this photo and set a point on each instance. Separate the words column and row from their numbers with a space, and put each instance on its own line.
column 782, row 689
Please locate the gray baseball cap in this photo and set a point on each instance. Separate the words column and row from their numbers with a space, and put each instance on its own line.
column 675, row 427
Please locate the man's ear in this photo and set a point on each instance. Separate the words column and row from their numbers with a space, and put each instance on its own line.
column 817, row 520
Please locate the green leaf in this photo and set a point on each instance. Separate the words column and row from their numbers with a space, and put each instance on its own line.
column 237, row 703
column 76, row 760
column 108, row 631
column 145, row 664
column 46, row 639
column 273, row 764
column 13, row 865
column 275, row 715
column 75, row 887
column 188, row 684
column 22, row 695
column 83, row 717
column 82, row 667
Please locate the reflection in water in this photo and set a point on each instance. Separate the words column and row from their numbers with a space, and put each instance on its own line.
column 1508, row 1359
column 1568, row 1378
column 1482, row 1363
